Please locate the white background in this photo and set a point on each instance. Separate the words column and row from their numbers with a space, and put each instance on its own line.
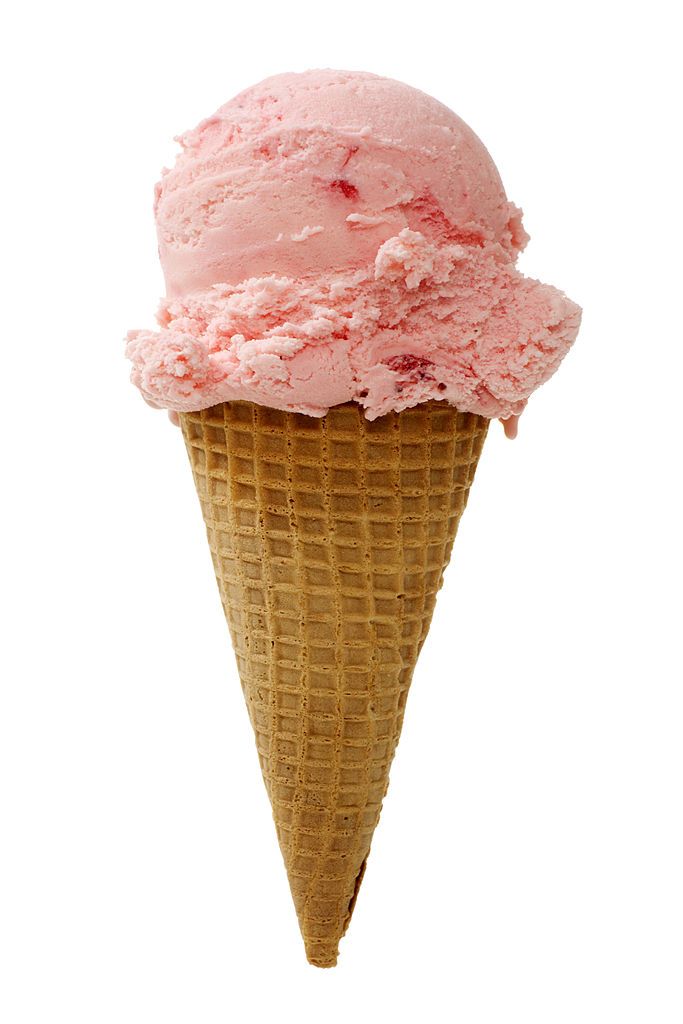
column 528, row 862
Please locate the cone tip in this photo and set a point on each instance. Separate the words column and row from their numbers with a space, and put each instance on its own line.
column 321, row 953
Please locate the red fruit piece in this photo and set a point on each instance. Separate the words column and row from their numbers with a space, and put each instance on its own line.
column 345, row 187
column 411, row 367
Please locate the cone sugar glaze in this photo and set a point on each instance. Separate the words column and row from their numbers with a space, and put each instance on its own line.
column 343, row 318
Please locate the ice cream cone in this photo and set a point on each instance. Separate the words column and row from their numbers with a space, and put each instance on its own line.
column 329, row 538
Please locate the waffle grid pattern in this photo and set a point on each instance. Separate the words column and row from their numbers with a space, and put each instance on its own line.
column 329, row 539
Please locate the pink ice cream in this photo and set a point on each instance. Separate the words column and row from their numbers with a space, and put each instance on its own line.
column 333, row 236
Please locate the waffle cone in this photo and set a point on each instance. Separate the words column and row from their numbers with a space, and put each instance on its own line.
column 329, row 538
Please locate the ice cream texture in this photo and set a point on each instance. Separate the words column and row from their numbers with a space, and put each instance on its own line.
column 336, row 236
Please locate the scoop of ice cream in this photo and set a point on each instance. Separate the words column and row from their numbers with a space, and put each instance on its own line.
column 333, row 236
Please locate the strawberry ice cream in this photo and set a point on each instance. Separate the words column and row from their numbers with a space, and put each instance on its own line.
column 334, row 236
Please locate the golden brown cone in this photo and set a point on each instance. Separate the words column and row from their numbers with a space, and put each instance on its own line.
column 329, row 538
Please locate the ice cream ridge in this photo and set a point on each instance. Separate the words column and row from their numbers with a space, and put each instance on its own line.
column 343, row 318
